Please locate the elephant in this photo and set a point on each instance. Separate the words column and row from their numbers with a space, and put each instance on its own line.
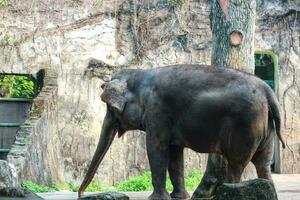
column 207, row 109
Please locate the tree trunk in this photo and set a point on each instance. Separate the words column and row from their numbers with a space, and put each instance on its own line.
column 233, row 27
column 233, row 36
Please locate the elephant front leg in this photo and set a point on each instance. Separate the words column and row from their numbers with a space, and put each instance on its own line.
column 176, row 171
column 158, row 155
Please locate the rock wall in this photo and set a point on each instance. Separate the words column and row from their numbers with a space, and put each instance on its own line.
column 35, row 152
column 278, row 29
column 65, row 35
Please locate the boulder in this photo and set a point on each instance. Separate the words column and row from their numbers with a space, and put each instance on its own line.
column 260, row 189
column 106, row 196
column 8, row 175
column 17, row 193
column 12, row 192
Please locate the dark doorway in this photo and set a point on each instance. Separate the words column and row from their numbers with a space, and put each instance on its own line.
column 266, row 69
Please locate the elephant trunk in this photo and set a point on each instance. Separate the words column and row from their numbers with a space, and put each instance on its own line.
column 107, row 135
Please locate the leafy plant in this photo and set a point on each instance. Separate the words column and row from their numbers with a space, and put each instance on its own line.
column 3, row 2
column 94, row 186
column 143, row 182
column 137, row 183
column 16, row 86
column 192, row 180
column 37, row 188
column 8, row 39
column 134, row 184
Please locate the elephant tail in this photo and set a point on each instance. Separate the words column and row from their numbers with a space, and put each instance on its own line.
column 274, row 113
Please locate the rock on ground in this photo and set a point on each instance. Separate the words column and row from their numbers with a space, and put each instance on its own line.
column 261, row 189
column 17, row 193
column 106, row 196
column 7, row 175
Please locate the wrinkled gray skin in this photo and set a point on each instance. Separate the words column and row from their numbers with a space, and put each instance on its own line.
column 209, row 110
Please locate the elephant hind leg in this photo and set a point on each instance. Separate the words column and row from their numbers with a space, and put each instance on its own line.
column 213, row 176
column 234, row 172
column 236, row 165
column 263, row 159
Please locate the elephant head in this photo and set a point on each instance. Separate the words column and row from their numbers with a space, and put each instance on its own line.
column 123, row 113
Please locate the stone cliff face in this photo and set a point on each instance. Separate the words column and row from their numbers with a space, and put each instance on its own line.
column 65, row 35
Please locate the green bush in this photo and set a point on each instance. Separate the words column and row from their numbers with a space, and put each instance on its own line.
column 3, row 2
column 144, row 183
column 137, row 183
column 61, row 187
column 192, row 180
column 94, row 186
column 16, row 86
column 133, row 184
column 8, row 39
column 37, row 188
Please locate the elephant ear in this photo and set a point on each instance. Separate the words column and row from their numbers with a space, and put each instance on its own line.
column 114, row 94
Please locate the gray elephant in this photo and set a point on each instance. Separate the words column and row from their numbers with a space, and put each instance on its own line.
column 209, row 110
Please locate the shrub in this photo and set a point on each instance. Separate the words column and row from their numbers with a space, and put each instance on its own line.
column 16, row 86
column 37, row 188
column 137, row 183
column 192, row 180
column 3, row 2
column 133, row 184
column 94, row 186
column 143, row 182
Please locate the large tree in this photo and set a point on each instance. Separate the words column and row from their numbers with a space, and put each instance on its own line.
column 233, row 27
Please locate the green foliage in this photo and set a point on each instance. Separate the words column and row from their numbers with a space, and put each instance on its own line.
column 140, row 183
column 73, row 187
column 94, row 186
column 37, row 188
column 175, row 3
column 8, row 39
column 16, row 86
column 61, row 187
column 192, row 180
column 3, row 2
column 137, row 183
column 143, row 182
column 134, row 184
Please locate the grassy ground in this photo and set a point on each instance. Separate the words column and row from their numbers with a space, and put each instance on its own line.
column 137, row 183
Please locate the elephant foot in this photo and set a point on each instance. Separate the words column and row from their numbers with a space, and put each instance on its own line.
column 180, row 195
column 163, row 195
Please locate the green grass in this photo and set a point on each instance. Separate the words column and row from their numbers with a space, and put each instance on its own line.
column 37, row 188
column 134, row 184
column 192, row 180
column 143, row 182
column 137, row 183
